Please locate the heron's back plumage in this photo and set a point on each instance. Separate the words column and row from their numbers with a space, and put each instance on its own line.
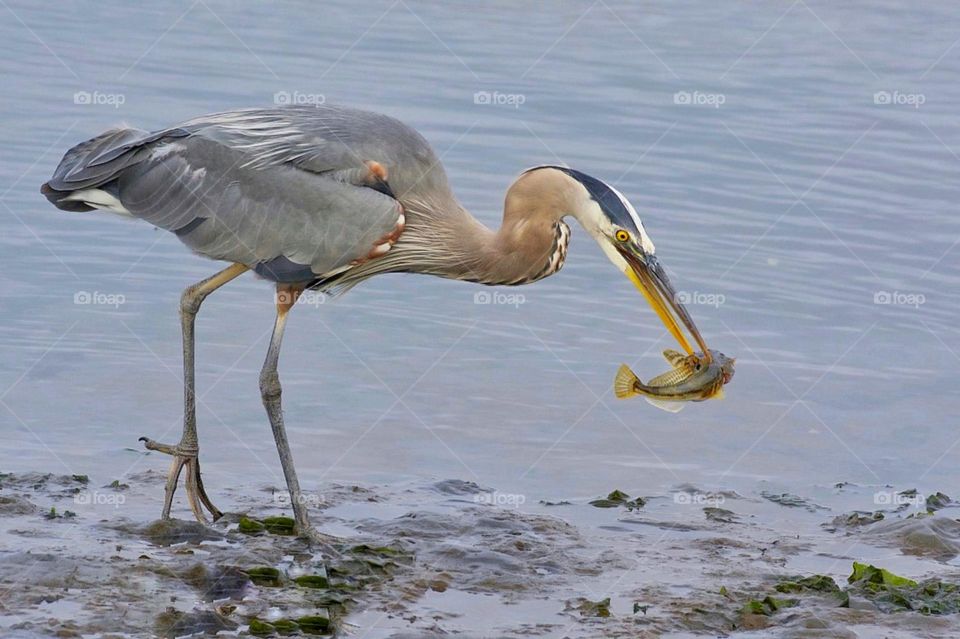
column 279, row 189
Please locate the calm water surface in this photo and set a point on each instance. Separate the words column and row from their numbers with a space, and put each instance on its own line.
column 796, row 165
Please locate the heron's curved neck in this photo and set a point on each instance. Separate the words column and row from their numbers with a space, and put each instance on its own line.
column 441, row 238
column 532, row 240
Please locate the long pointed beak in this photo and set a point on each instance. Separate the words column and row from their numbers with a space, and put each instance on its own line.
column 649, row 277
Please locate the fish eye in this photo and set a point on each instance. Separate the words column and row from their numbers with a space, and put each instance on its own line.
column 621, row 235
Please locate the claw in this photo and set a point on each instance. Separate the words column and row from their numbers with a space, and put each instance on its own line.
column 184, row 458
column 149, row 444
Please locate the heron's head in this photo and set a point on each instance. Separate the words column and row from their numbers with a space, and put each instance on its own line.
column 607, row 215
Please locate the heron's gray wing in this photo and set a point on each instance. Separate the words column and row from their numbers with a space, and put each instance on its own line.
column 327, row 138
column 280, row 189
column 289, row 224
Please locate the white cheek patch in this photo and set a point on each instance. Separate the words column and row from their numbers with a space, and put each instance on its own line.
column 614, row 256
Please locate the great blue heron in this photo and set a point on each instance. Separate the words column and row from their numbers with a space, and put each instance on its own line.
column 324, row 197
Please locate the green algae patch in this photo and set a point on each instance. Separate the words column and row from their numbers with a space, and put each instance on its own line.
column 274, row 525
column 360, row 562
column 767, row 606
column 857, row 519
column 813, row 583
column 618, row 498
column 867, row 574
column 279, row 525
column 250, row 526
column 282, row 627
column 888, row 592
column 596, row 608
column 315, row 625
column 286, row 627
column 264, row 576
column 312, row 581
column 261, row 628
column 937, row 501
column 893, row 593
column 588, row 608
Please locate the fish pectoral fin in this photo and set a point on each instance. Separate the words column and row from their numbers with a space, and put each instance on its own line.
column 719, row 394
column 623, row 383
column 670, row 407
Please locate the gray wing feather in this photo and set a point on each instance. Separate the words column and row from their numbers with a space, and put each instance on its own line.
column 326, row 138
column 226, row 210
column 261, row 187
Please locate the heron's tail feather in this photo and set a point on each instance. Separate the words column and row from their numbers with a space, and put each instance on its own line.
column 84, row 179
column 624, row 383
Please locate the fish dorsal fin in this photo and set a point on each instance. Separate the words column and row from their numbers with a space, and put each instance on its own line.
column 676, row 358
column 670, row 407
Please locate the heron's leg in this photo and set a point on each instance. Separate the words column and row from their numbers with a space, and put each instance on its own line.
column 270, row 392
column 185, row 453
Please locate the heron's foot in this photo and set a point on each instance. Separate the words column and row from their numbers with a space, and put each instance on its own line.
column 184, row 458
column 318, row 540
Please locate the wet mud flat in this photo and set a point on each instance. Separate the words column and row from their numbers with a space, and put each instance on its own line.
column 441, row 558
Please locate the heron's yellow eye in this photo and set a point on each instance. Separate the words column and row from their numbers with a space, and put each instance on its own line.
column 622, row 236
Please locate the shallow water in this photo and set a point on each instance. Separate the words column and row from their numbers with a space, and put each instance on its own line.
column 786, row 214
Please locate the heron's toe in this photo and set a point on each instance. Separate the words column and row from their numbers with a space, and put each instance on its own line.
column 150, row 444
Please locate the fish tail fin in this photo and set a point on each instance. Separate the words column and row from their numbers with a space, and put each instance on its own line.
column 624, row 383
